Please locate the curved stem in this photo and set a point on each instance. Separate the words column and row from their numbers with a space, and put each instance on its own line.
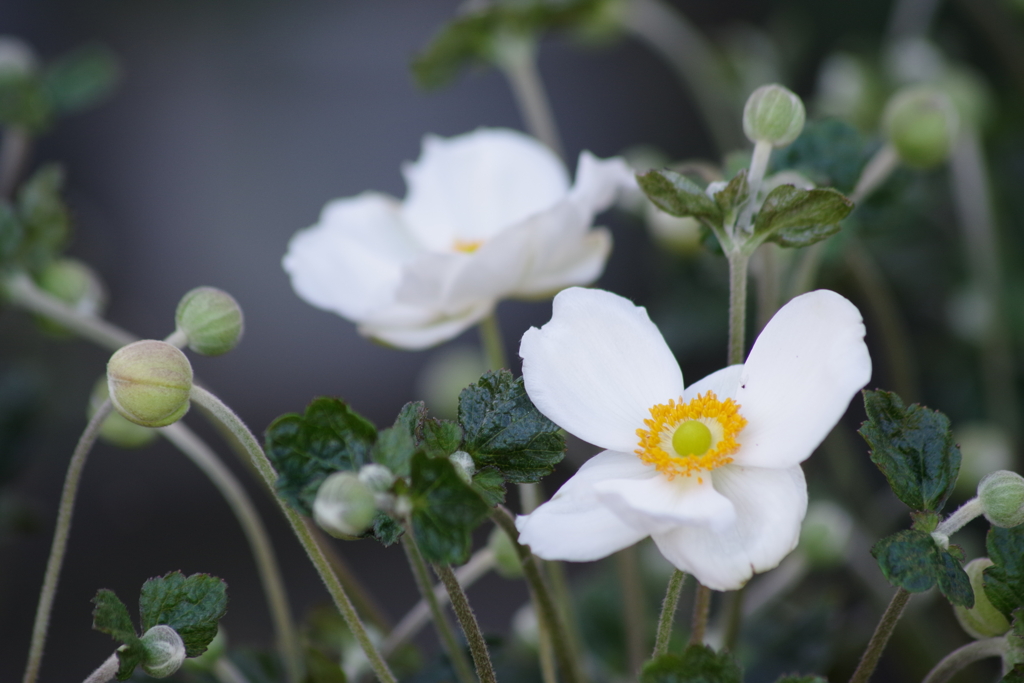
column 441, row 625
column 517, row 57
column 701, row 610
column 964, row 514
column 470, row 626
column 60, row 541
column 880, row 638
column 256, row 534
column 959, row 658
column 106, row 671
column 494, row 345
column 223, row 415
column 668, row 613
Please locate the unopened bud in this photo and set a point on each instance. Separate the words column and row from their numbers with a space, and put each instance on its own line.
column 210, row 319
column 1002, row 498
column 921, row 123
column 506, row 559
column 150, row 382
column 983, row 620
column 344, row 506
column 116, row 429
column 464, row 465
column 773, row 114
column 377, row 477
column 825, row 533
column 75, row 284
column 165, row 651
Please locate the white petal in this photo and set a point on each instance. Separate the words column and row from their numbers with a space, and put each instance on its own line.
column 580, row 264
column 598, row 367
column 723, row 383
column 411, row 328
column 803, row 370
column 472, row 186
column 574, row 525
column 657, row 505
column 769, row 503
column 600, row 181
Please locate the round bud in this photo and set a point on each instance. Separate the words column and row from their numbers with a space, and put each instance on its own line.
column 165, row 651
column 1002, row 498
column 506, row 559
column 377, row 477
column 210, row 319
column 921, row 124
column 115, row 429
column 150, row 382
column 464, row 465
column 75, row 284
column 983, row 620
column 773, row 114
column 825, row 533
column 344, row 506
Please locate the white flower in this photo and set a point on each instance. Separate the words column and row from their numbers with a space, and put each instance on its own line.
column 488, row 215
column 711, row 472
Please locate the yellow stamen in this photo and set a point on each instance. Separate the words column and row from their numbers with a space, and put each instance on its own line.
column 467, row 246
column 722, row 418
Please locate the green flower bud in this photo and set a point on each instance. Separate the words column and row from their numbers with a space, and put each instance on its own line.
column 506, row 559
column 825, row 533
column 970, row 94
column 921, row 124
column 344, row 506
column 377, row 477
column 464, row 465
column 210, row 319
column 76, row 285
column 165, row 651
column 116, row 429
column 149, row 383
column 983, row 620
column 1002, row 497
column 773, row 114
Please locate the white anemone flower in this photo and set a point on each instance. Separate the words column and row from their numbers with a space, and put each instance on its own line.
column 710, row 471
column 488, row 215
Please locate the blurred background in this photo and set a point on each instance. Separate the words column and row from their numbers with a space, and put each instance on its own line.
column 234, row 122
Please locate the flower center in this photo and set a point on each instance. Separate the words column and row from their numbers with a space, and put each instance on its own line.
column 467, row 246
column 687, row 438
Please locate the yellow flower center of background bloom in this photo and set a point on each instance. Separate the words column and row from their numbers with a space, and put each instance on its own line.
column 467, row 246
column 684, row 438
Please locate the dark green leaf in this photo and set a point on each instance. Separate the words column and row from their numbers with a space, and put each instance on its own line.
column 307, row 448
column 829, row 152
column 1016, row 675
column 792, row 678
column 23, row 104
column 322, row 669
column 926, row 521
column 44, row 216
column 913, row 561
column 913, row 447
column 129, row 658
column 489, row 483
column 504, row 429
column 110, row 616
column 797, row 238
column 795, row 217
column 81, row 78
column 677, row 195
column 698, row 664
column 730, row 198
column 439, row 438
column 386, row 530
column 395, row 445
column 1004, row 580
column 191, row 606
column 445, row 510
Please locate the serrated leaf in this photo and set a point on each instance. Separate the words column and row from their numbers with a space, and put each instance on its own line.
column 386, row 530
column 489, row 483
column 792, row 216
column 43, row 215
column 913, row 447
column 439, row 438
column 1004, row 580
column 445, row 510
column 111, row 616
column 395, row 445
column 306, row 449
column 911, row 560
column 733, row 195
column 697, row 664
column 502, row 428
column 677, row 195
column 80, row 79
column 192, row 606
column 830, row 152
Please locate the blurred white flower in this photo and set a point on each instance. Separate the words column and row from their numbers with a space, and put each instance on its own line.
column 711, row 472
column 488, row 215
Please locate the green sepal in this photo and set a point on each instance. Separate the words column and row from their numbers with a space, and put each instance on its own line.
column 111, row 616
column 829, row 152
column 677, row 195
column 1004, row 580
column 925, row 522
column 793, row 678
column 44, row 217
column 192, row 606
column 731, row 197
column 697, row 664
column 395, row 445
column 305, row 449
column 445, row 510
column 792, row 217
column 386, row 530
column 489, row 483
column 80, row 79
column 913, row 447
column 913, row 561
column 439, row 438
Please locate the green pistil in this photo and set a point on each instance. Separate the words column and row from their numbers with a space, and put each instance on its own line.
column 691, row 438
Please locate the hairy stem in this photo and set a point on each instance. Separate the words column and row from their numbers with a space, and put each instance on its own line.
column 880, row 638
column 470, row 627
column 959, row 658
column 964, row 514
column 701, row 610
column 737, row 307
column 668, row 613
column 106, row 671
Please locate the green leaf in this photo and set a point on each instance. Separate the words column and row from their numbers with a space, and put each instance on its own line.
column 698, row 664
column 80, row 79
column 111, row 616
column 829, row 152
column 1016, row 675
column 913, row 447
column 322, row 669
column 386, row 530
column 503, row 429
column 44, row 216
column 794, row 217
column 306, row 449
column 445, row 510
column 489, row 483
column 730, row 198
column 1004, row 580
column 191, row 606
column 23, row 103
column 677, row 195
column 913, row 561
column 395, row 445
column 439, row 438
column 797, row 238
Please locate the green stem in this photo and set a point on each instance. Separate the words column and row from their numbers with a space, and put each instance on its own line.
column 758, row 167
column 734, row 618
column 961, row 657
column 60, row 541
column 223, row 415
column 737, row 306
column 668, row 613
column 105, row 671
column 470, row 627
column 547, row 610
column 494, row 345
column 444, row 629
column 559, row 583
column 256, row 534
column 880, row 638
column 517, row 57
column 633, row 610
column 701, row 610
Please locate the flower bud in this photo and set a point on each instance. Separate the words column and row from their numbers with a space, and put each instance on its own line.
column 377, row 477
column 921, row 124
column 464, row 465
column 825, row 533
column 210, row 319
column 150, row 382
column 506, row 559
column 76, row 285
column 344, row 506
column 773, row 114
column 1002, row 497
column 983, row 620
column 165, row 651
column 16, row 57
column 116, row 429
